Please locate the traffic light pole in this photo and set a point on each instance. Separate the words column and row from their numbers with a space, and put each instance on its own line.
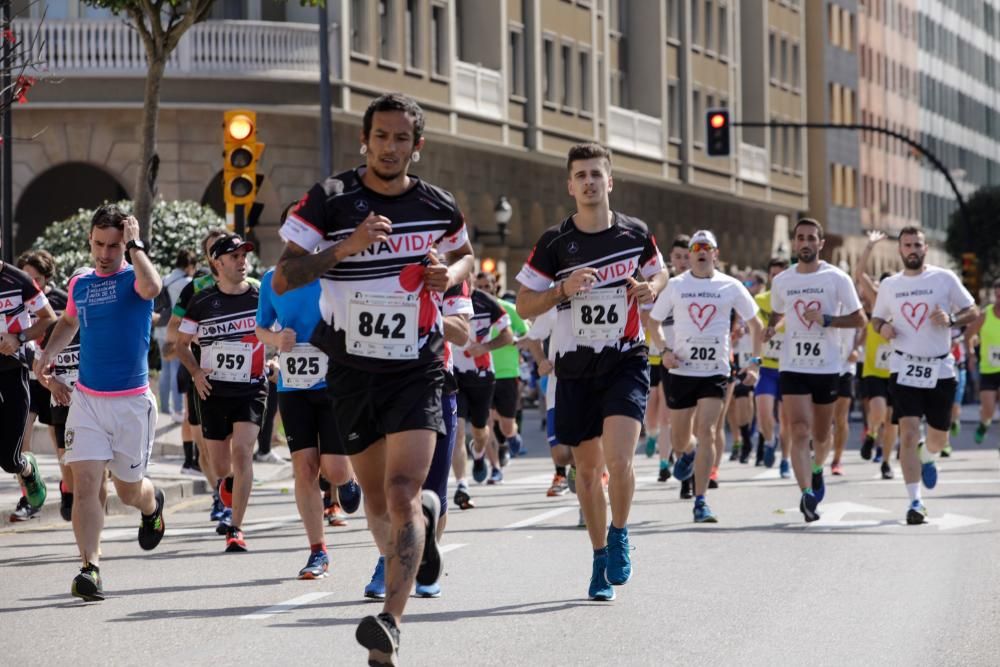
column 240, row 220
column 967, row 226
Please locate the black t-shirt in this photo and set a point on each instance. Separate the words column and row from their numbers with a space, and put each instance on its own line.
column 225, row 325
column 409, row 333
column 488, row 316
column 19, row 298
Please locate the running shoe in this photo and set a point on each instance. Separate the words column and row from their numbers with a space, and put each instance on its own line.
column 234, row 540
column 836, row 469
column 867, row 446
column 760, row 451
column 65, row 503
column 87, row 585
column 431, row 591
column 504, row 455
column 818, row 486
column 226, row 491
column 571, row 479
column 956, row 428
column 479, row 469
column 887, row 470
column 191, row 468
column 380, row 635
column 619, row 566
column 316, row 566
column 225, row 521
column 376, row 587
column 23, row 511
column 664, row 471
column 734, row 455
column 600, row 587
column 946, row 452
column 745, row 451
column 878, row 455
column 703, row 514
column 929, row 474
column 684, row 467
column 785, row 469
column 462, row 498
column 218, row 509
column 686, row 492
column 650, row 447
column 334, row 517
column 917, row 514
column 515, row 446
column 430, row 563
column 981, row 433
column 151, row 527
column 769, row 451
column 808, row 505
column 496, row 477
column 581, row 522
column 270, row 457
column 34, row 485
column 349, row 495
column 559, row 486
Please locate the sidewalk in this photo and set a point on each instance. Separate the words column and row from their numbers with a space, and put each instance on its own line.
column 164, row 470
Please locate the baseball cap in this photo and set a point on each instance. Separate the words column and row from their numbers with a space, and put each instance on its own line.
column 229, row 243
column 704, row 236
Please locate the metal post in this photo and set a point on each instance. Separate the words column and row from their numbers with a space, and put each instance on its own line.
column 7, row 188
column 240, row 220
column 325, row 119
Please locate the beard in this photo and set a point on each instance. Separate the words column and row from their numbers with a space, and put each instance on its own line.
column 913, row 262
column 807, row 255
column 385, row 175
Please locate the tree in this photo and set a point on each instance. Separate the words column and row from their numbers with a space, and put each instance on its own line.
column 981, row 235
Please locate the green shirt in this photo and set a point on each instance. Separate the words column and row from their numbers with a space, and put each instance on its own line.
column 507, row 359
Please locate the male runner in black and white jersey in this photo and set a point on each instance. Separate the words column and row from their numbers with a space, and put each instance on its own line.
column 702, row 302
column 809, row 297
column 586, row 266
column 231, row 377
column 367, row 233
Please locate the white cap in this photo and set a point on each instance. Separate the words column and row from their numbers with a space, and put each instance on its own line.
column 704, row 236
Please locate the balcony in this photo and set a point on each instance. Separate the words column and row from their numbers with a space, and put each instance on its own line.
column 224, row 49
column 478, row 90
column 634, row 132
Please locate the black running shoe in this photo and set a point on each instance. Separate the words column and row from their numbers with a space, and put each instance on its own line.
column 808, row 505
column 745, row 452
column 887, row 470
column 664, row 473
column 480, row 471
column 713, row 483
column 430, row 563
column 818, row 486
column 380, row 635
column 686, row 492
column 65, row 503
column 504, row 455
column 866, row 448
column 87, row 585
column 151, row 528
column 462, row 498
column 760, row 451
column 734, row 455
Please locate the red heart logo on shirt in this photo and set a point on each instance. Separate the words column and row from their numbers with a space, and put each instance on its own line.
column 701, row 315
column 915, row 314
column 803, row 307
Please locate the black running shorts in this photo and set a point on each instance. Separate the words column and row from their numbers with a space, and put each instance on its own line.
column 475, row 398
column 220, row 413
column 505, row 395
column 686, row 391
column 582, row 404
column 822, row 387
column 934, row 403
column 309, row 421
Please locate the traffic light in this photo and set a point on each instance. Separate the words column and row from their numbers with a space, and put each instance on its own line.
column 488, row 265
column 970, row 273
column 717, row 142
column 241, row 151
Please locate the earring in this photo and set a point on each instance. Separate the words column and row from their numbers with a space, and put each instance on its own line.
column 416, row 156
column 364, row 149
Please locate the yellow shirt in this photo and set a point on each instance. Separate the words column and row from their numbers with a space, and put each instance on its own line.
column 772, row 348
column 877, row 353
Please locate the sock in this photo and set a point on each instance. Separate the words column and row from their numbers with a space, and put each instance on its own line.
column 699, row 500
column 745, row 435
column 603, row 551
column 188, row 452
column 913, row 490
column 924, row 454
column 561, row 470
column 808, row 490
column 817, row 468
column 320, row 546
column 664, row 463
column 984, row 425
column 462, row 483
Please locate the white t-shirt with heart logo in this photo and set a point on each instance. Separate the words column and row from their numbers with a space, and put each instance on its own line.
column 809, row 347
column 702, row 314
column 908, row 302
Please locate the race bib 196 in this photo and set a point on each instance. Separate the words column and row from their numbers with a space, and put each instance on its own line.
column 303, row 367
column 919, row 372
column 808, row 350
column 383, row 326
column 229, row 361
column 600, row 314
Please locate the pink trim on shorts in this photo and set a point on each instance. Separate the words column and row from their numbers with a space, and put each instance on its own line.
column 138, row 391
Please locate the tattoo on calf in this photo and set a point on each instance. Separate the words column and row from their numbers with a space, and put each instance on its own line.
column 406, row 549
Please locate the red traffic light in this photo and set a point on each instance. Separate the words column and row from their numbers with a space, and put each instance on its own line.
column 717, row 120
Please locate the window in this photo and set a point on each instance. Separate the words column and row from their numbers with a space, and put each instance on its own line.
column 439, row 40
column 772, row 57
column 515, row 65
column 359, row 26
column 695, row 27
column 847, row 115
column 784, row 61
column 797, row 149
column 673, row 18
column 723, row 32
column 386, row 24
column 836, row 105
column 413, row 53
column 786, row 147
column 850, row 176
column 847, row 31
column 775, row 147
column 549, row 70
column 699, row 112
column 586, row 103
column 567, row 75
column 796, row 74
column 673, row 111
column 833, row 23
column 836, row 185
column 709, row 15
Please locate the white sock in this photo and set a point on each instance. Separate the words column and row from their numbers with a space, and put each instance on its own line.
column 913, row 490
column 462, row 482
column 925, row 455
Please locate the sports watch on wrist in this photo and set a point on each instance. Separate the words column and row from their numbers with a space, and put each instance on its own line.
column 135, row 244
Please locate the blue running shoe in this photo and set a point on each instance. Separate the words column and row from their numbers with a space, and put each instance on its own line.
column 496, row 477
column 225, row 521
column 430, row 591
column 600, row 588
column 217, row 508
column 928, row 474
column 818, row 487
column 684, row 467
column 515, row 445
column 619, row 566
column 808, row 506
column 785, row 469
column 703, row 514
column 350, row 496
column 316, row 566
column 917, row 514
column 878, row 455
column 769, row 456
column 376, row 587
column 479, row 469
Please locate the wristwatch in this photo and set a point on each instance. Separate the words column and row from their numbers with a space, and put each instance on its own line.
column 135, row 244
column 951, row 319
column 21, row 338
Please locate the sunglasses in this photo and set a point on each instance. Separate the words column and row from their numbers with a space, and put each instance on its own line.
column 698, row 247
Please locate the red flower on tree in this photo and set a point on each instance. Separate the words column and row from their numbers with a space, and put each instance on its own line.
column 24, row 84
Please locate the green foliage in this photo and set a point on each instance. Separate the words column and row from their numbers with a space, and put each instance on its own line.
column 981, row 236
column 175, row 225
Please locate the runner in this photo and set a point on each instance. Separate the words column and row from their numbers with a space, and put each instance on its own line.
column 850, row 342
column 768, row 390
column 987, row 328
column 806, row 297
column 703, row 301
column 307, row 411
column 112, row 419
column 230, row 376
column 915, row 310
column 373, row 227
column 584, row 266
column 740, row 411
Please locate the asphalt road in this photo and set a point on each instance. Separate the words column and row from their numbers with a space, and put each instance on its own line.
column 759, row 588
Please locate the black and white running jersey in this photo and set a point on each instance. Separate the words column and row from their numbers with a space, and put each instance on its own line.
column 19, row 298
column 457, row 301
column 488, row 316
column 595, row 329
column 383, row 319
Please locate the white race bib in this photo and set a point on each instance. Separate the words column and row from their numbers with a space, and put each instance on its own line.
column 919, row 372
column 303, row 367
column 994, row 358
column 383, row 326
column 229, row 361
column 70, row 375
column 807, row 350
column 882, row 355
column 3, row 324
column 600, row 314
column 701, row 353
column 773, row 350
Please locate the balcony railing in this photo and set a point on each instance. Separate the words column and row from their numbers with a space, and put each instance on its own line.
column 261, row 49
column 635, row 132
column 479, row 90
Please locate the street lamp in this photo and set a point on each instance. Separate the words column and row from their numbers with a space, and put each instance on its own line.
column 502, row 213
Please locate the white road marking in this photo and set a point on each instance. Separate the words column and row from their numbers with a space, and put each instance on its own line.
column 949, row 521
column 538, row 518
column 284, row 607
column 450, row 547
column 771, row 473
